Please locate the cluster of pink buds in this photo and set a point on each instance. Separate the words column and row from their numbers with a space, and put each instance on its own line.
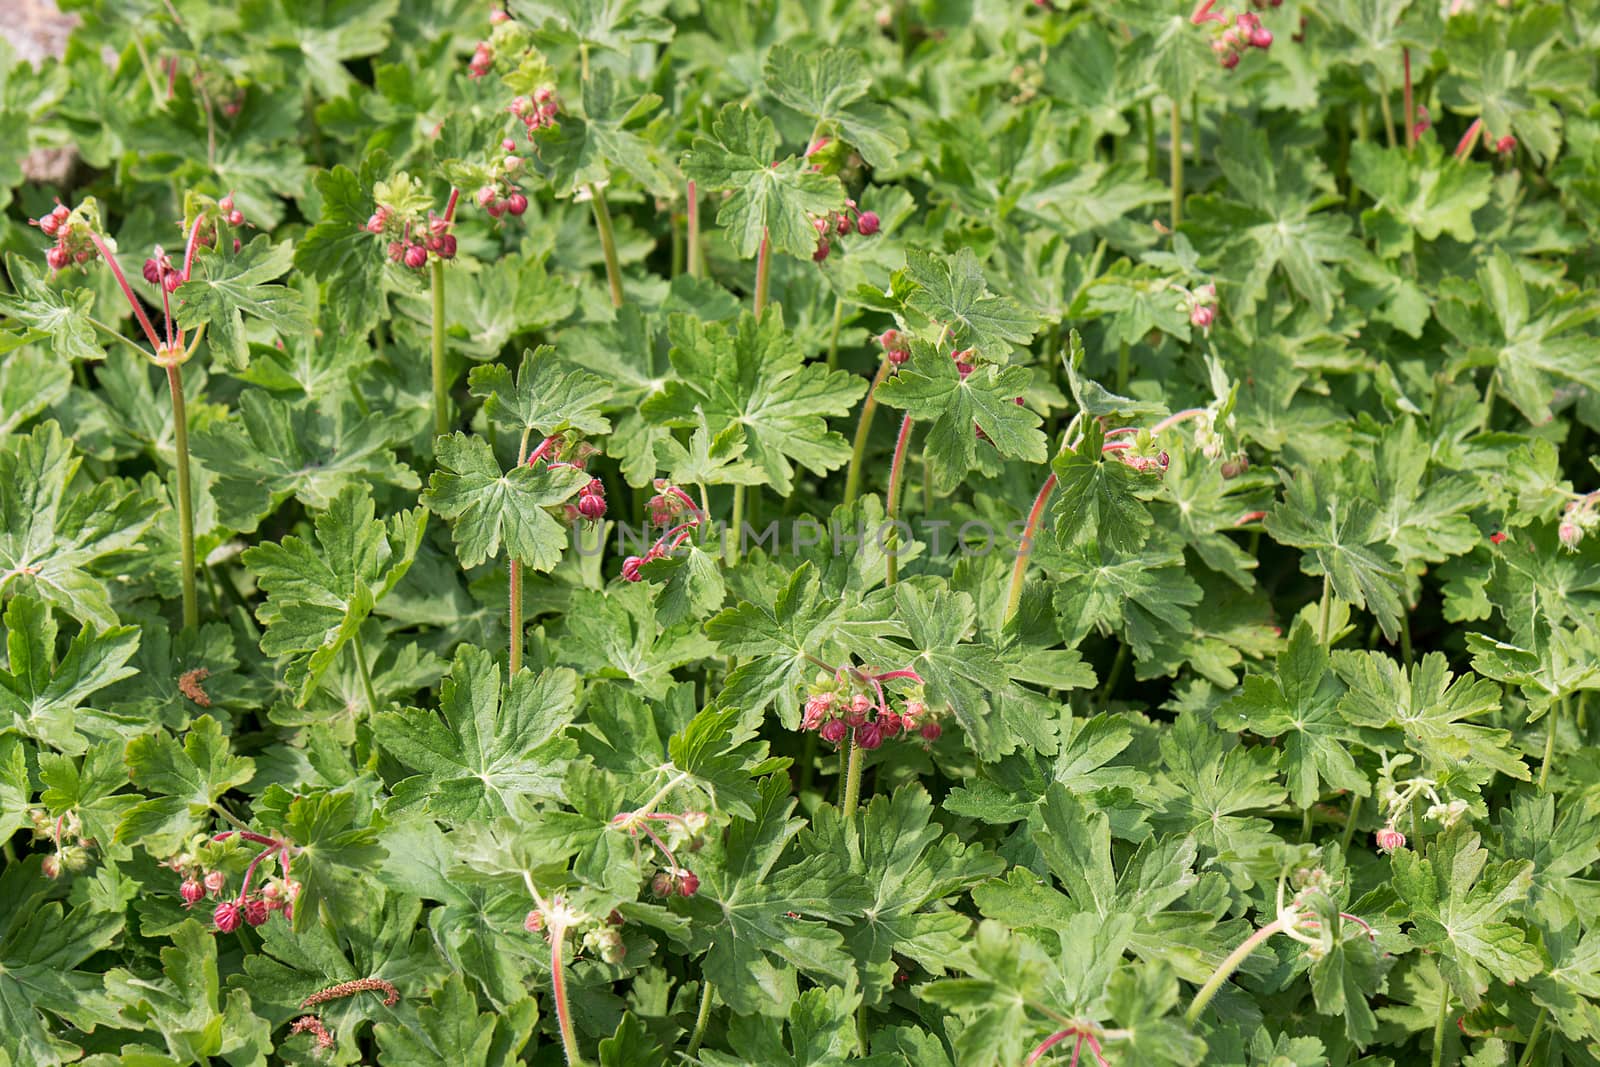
column 667, row 831
column 1241, row 33
column 1202, row 304
column 850, row 701
column 592, row 500
column 251, row 908
column 557, row 453
column 503, row 198
column 158, row 270
column 412, row 249
column 539, row 110
column 841, row 223
column 1388, row 839
column 1136, row 453
column 666, row 509
column 65, row 834
column 73, row 245
column 1578, row 519
column 894, row 346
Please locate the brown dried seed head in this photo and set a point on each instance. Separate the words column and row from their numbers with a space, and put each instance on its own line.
column 189, row 686
column 391, row 995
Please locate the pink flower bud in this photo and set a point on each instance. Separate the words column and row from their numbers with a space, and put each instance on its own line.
column 225, row 205
column 497, row 17
column 931, row 731
column 227, row 916
column 1498, row 537
column 533, row 922
column 1506, row 145
column 236, row 217
column 214, row 881
column 1230, row 61
column 416, row 257
column 50, row 866
column 832, row 731
column 689, row 884
column 821, row 253
column 661, row 884
column 49, row 225
column 516, row 203
column 447, row 247
column 630, row 569
column 1261, row 38
column 172, row 279
column 191, row 891
column 816, row 712
column 1389, row 839
column 1570, row 534
column 592, row 507
column 486, row 196
column 897, row 356
column 57, row 258
column 867, row 223
column 1202, row 316
column 890, row 338
column 256, row 911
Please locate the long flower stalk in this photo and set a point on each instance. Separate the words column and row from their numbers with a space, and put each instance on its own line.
column 441, row 388
column 763, row 268
column 608, row 243
column 892, row 511
column 696, row 261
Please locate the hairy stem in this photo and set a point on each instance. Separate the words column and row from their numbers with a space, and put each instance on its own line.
column 359, row 651
column 1176, row 179
column 1228, row 966
column 763, row 266
column 608, row 243
column 1019, row 569
column 701, row 1017
column 180, row 438
column 1350, row 823
column 696, row 259
column 127, row 291
column 833, row 334
column 1410, row 101
column 1550, row 741
column 736, row 522
column 1438, row 1029
column 514, row 616
column 852, row 778
column 892, row 512
column 558, row 991
column 441, row 390
column 869, row 407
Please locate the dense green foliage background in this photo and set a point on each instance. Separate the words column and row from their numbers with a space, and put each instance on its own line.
column 1305, row 651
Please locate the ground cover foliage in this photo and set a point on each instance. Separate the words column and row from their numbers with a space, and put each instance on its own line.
column 1169, row 433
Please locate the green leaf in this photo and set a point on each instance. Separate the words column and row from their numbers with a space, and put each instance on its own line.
column 340, row 252
column 930, row 389
column 317, row 600
column 829, row 85
column 1100, row 496
column 584, row 148
column 1301, row 705
column 332, row 853
column 1457, row 904
column 450, row 1029
column 222, row 288
column 63, row 315
column 43, row 992
column 777, row 202
column 1339, row 531
column 1420, row 191
column 754, row 374
column 45, row 699
column 951, row 291
column 188, row 778
column 54, row 528
column 309, row 451
column 485, row 505
column 548, row 396
column 491, row 747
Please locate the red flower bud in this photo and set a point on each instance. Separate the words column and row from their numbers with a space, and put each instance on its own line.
column 56, row 258
column 869, row 736
column 416, row 257
column 256, row 911
column 533, row 922
column 225, row 205
column 191, row 891
column 226, row 916
column 867, row 223
column 1390, row 839
column 931, row 731
column 516, row 203
column 821, row 253
column 832, row 731
column 630, row 569
column 689, row 884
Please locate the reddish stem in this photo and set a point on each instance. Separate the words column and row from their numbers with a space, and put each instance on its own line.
column 1025, row 548
column 558, row 990
column 1410, row 104
column 191, row 244
column 1469, row 140
column 127, row 291
column 249, row 872
column 892, row 675
column 1175, row 418
column 247, row 836
column 896, row 477
column 450, row 205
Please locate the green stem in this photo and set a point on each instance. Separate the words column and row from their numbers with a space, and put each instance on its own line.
column 1019, row 569
column 869, row 407
column 441, row 390
column 117, row 334
column 608, row 243
column 1177, row 164
column 1550, row 741
column 157, row 96
column 852, row 778
column 703, row 1015
column 696, row 258
column 1194, row 122
column 514, row 616
column 180, row 437
column 1526, row 1059
column 763, row 267
column 736, row 525
column 1388, row 116
column 1305, row 825
column 1228, row 966
column 360, row 653
column 808, row 761
column 1438, row 1028
column 1112, row 676
column 1152, row 168
column 833, row 334
column 1122, row 367
column 1325, row 612
column 1350, row 823
column 558, row 991
column 892, row 510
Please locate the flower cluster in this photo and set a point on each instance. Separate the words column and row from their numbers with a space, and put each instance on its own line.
column 500, row 195
column 65, row 833
column 71, row 230
column 557, row 452
column 399, row 217
column 1240, row 33
column 840, row 223
column 1395, row 799
column 670, row 834
column 556, row 917
column 665, row 508
column 246, row 907
column 1578, row 518
column 538, row 110
column 1202, row 306
column 894, row 346
column 852, row 702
